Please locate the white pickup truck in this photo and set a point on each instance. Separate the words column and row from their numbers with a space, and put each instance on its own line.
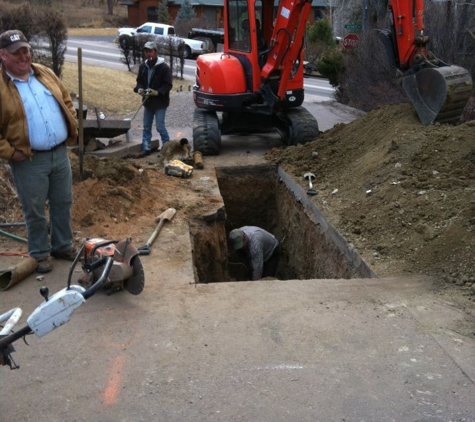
column 164, row 36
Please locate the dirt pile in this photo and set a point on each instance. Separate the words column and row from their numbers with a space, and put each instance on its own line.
column 118, row 198
column 9, row 204
column 122, row 197
column 402, row 193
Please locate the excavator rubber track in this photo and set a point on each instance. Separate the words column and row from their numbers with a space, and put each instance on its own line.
column 439, row 94
column 206, row 132
column 303, row 127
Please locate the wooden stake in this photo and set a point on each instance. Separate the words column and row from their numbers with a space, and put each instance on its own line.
column 80, row 116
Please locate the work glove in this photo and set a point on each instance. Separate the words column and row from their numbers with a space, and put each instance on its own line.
column 141, row 92
column 151, row 92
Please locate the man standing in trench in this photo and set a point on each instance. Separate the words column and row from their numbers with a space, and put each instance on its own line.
column 154, row 82
column 261, row 250
column 37, row 121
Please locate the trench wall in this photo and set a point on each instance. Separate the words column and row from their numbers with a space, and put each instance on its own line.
column 267, row 197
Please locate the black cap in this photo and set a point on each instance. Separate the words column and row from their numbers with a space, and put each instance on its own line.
column 12, row 40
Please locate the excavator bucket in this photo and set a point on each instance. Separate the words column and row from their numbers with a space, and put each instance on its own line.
column 439, row 93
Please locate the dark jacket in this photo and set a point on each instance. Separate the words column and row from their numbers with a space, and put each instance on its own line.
column 160, row 81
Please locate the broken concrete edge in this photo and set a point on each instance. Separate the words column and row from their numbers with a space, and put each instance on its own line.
column 329, row 231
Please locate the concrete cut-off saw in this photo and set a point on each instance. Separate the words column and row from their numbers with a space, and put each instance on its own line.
column 126, row 273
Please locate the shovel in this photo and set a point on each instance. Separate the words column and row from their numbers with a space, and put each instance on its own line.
column 164, row 216
column 310, row 177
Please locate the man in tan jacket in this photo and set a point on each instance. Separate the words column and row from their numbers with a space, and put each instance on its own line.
column 37, row 121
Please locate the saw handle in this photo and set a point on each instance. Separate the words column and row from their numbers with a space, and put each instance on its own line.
column 102, row 279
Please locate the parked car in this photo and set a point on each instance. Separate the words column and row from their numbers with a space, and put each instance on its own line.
column 216, row 36
column 165, row 38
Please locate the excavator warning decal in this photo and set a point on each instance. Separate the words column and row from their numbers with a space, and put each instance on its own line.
column 285, row 12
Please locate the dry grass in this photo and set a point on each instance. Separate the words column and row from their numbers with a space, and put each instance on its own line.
column 111, row 91
column 92, row 32
column 108, row 90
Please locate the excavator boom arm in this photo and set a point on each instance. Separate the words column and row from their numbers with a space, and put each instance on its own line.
column 408, row 21
column 287, row 40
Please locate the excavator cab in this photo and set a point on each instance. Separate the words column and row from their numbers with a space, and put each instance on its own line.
column 438, row 91
column 256, row 83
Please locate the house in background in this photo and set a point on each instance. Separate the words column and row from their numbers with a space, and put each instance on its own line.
column 210, row 11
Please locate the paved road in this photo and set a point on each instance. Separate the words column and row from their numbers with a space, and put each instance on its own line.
column 104, row 52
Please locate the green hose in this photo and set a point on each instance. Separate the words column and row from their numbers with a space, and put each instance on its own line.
column 13, row 236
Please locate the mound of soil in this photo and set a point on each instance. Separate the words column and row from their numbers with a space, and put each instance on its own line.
column 116, row 198
column 402, row 193
column 122, row 197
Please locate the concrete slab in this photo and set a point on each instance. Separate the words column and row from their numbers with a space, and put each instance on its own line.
column 303, row 350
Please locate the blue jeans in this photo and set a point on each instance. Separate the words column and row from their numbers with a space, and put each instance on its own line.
column 46, row 177
column 148, row 115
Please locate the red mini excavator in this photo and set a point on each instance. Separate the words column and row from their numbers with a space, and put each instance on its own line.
column 438, row 91
column 257, row 82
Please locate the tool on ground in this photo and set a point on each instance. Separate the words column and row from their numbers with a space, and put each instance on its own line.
column 310, row 177
column 164, row 216
column 55, row 311
column 198, row 160
column 126, row 272
column 178, row 168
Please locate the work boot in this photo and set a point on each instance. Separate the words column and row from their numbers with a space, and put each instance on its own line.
column 68, row 255
column 44, row 265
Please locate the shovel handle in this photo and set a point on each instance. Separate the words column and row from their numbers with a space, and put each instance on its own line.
column 155, row 233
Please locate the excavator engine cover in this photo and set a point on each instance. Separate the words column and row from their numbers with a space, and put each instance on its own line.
column 220, row 73
column 439, row 93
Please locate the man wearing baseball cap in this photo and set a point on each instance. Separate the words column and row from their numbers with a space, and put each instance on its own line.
column 260, row 249
column 154, row 82
column 38, row 120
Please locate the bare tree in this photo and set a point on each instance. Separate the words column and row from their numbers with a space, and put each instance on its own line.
column 110, row 7
column 18, row 17
column 369, row 79
column 54, row 29
column 40, row 22
column 448, row 26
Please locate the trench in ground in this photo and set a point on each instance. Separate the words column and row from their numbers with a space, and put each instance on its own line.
column 266, row 196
